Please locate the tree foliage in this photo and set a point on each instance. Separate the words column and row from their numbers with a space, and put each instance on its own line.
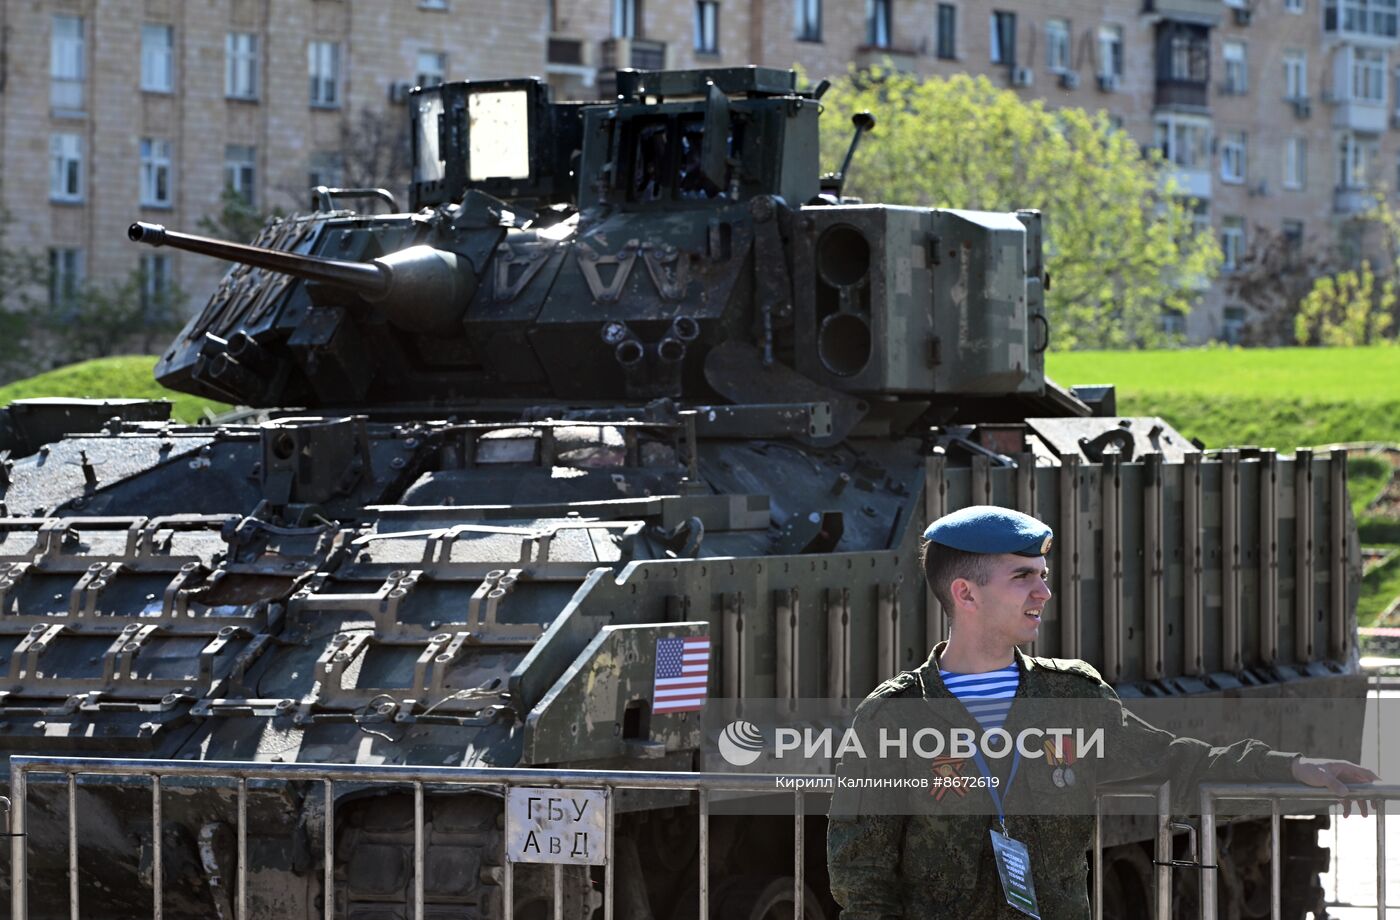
column 375, row 150
column 97, row 320
column 1346, row 309
column 1120, row 248
column 22, row 277
column 237, row 219
column 1273, row 279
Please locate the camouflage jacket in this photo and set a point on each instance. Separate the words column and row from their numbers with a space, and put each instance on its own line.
column 935, row 861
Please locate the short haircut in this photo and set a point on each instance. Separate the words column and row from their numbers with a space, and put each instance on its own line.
column 942, row 564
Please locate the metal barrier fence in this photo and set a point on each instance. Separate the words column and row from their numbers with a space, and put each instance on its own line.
column 418, row 778
column 1276, row 794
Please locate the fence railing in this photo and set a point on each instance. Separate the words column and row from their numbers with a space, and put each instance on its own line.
column 67, row 770
column 1276, row 795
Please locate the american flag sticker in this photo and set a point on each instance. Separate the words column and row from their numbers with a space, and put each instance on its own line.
column 682, row 674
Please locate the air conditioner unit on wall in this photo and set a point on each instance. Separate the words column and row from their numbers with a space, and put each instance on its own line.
column 1022, row 76
column 1302, row 107
column 1243, row 15
column 1069, row 80
column 399, row 90
column 1108, row 82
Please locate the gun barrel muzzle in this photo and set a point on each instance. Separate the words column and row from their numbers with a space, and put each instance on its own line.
column 150, row 234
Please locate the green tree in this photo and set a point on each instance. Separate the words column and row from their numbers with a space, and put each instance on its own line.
column 236, row 220
column 1347, row 309
column 96, row 320
column 1121, row 249
column 22, row 276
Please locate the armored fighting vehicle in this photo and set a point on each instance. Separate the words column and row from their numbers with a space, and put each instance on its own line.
column 623, row 373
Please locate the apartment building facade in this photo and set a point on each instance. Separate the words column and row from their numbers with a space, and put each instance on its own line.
column 120, row 110
column 1278, row 117
column 1274, row 114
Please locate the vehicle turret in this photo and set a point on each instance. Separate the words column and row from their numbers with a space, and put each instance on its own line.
column 678, row 241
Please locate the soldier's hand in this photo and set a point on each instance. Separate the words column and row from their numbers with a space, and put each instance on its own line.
column 1333, row 775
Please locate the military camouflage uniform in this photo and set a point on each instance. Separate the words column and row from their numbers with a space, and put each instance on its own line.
column 939, row 864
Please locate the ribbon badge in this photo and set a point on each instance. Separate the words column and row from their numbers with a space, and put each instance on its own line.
column 947, row 774
column 1059, row 753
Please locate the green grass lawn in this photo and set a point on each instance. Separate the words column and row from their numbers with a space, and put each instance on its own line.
column 1281, row 397
column 127, row 376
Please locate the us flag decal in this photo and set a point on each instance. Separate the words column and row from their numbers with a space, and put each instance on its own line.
column 682, row 674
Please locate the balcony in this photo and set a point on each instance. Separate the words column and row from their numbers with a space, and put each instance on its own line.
column 636, row 53
column 1360, row 116
column 869, row 57
column 1205, row 12
column 1364, row 22
column 1182, row 94
column 1349, row 202
column 1188, row 182
column 1181, row 58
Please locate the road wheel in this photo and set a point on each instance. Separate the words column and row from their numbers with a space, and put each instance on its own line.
column 766, row 897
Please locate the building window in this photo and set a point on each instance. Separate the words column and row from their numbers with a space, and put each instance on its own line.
column 240, row 171
column 1173, row 322
column 66, row 167
column 155, row 173
column 432, row 4
column 947, row 31
column 1236, row 68
column 627, row 18
column 1292, row 233
column 241, row 65
column 1200, row 216
column 877, row 23
column 1183, row 140
column 1186, row 51
column 157, row 58
column 1352, row 161
column 1002, row 28
column 327, row 168
column 1295, row 74
column 155, row 287
column 67, row 63
column 808, row 24
column 1110, row 51
column 1232, row 242
column 1293, row 6
column 432, row 68
column 1232, row 326
column 1057, row 56
column 1295, row 163
column 1367, row 74
column 1368, row 17
column 66, row 274
column 707, row 27
column 1233, row 152
column 323, row 65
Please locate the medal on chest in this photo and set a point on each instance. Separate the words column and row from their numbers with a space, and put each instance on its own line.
column 1061, row 757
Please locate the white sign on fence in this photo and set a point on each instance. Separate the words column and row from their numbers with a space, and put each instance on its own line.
column 556, row 826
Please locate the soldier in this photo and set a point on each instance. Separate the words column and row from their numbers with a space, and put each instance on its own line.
column 973, row 849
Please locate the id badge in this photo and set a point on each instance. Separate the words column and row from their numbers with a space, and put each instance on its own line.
column 1014, row 867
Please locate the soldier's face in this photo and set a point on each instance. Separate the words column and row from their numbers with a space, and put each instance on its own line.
column 1010, row 604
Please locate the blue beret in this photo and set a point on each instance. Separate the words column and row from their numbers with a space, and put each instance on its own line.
column 989, row 529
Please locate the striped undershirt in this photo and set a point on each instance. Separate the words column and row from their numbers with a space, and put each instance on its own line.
column 987, row 696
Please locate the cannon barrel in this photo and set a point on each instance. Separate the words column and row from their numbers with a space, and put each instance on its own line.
column 367, row 278
column 423, row 289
